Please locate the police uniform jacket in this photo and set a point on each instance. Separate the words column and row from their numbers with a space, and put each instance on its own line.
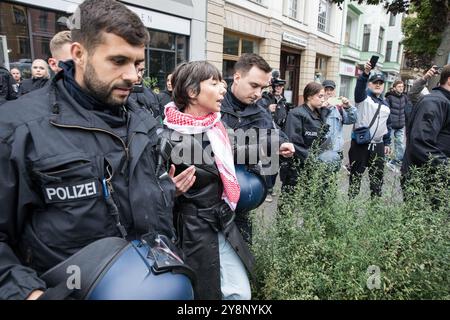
column 54, row 154
column 239, row 116
column 280, row 114
column 303, row 128
column 200, row 214
column 429, row 131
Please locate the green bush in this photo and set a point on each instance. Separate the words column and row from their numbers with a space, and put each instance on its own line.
column 321, row 245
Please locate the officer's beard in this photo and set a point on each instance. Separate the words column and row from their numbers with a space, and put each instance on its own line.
column 101, row 91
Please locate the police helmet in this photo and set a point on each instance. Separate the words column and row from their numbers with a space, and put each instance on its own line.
column 253, row 189
column 116, row 269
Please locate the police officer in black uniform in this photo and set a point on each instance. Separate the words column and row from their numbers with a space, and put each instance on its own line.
column 275, row 103
column 145, row 97
column 241, row 113
column 63, row 145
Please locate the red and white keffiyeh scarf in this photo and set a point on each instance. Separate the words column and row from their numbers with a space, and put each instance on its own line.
column 220, row 144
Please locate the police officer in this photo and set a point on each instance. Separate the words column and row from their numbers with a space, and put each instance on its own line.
column 62, row 144
column 241, row 113
column 275, row 103
column 145, row 97
column 428, row 143
column 305, row 125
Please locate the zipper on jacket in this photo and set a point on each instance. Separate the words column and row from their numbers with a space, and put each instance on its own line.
column 125, row 146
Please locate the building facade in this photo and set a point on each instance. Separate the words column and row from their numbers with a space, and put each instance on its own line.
column 368, row 30
column 177, row 30
column 299, row 38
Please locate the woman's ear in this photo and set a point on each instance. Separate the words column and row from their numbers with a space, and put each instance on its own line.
column 192, row 94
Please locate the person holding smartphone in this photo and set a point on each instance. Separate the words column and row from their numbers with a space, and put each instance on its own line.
column 340, row 113
column 373, row 115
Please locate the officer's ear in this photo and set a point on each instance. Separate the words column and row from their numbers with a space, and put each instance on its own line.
column 236, row 77
column 78, row 52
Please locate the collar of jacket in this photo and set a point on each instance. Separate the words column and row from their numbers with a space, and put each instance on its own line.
column 66, row 111
column 233, row 105
column 376, row 99
column 394, row 93
column 313, row 114
column 444, row 91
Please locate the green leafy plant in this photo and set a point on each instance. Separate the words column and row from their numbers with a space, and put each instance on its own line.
column 321, row 245
column 151, row 82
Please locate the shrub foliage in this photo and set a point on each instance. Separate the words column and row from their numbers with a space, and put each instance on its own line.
column 321, row 245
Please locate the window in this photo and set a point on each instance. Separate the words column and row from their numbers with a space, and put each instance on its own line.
column 233, row 46
column 351, row 32
column 392, row 20
column 380, row 39
column 164, row 52
column 43, row 20
column 324, row 16
column 321, row 68
column 366, row 38
column 19, row 16
column 345, row 87
column 292, row 8
column 388, row 51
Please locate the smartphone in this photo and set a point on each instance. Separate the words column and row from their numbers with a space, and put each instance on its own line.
column 334, row 101
column 373, row 61
column 437, row 70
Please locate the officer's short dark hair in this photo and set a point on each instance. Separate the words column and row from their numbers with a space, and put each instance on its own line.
column 110, row 16
column 445, row 74
column 311, row 89
column 187, row 77
column 249, row 60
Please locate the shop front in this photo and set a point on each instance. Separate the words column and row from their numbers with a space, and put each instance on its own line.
column 27, row 27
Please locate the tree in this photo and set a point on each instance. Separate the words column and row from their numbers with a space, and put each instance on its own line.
column 426, row 30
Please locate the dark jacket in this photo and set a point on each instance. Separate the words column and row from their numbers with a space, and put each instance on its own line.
column 303, row 128
column 398, row 104
column 29, row 85
column 242, row 117
column 149, row 100
column 54, row 153
column 7, row 83
column 280, row 114
column 164, row 98
column 429, row 131
column 197, row 217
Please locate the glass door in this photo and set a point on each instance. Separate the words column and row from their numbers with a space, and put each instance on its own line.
column 290, row 71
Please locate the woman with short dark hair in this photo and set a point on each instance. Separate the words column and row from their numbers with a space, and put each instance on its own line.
column 204, row 215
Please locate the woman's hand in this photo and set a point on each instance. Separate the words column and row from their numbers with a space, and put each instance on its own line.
column 34, row 295
column 184, row 181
